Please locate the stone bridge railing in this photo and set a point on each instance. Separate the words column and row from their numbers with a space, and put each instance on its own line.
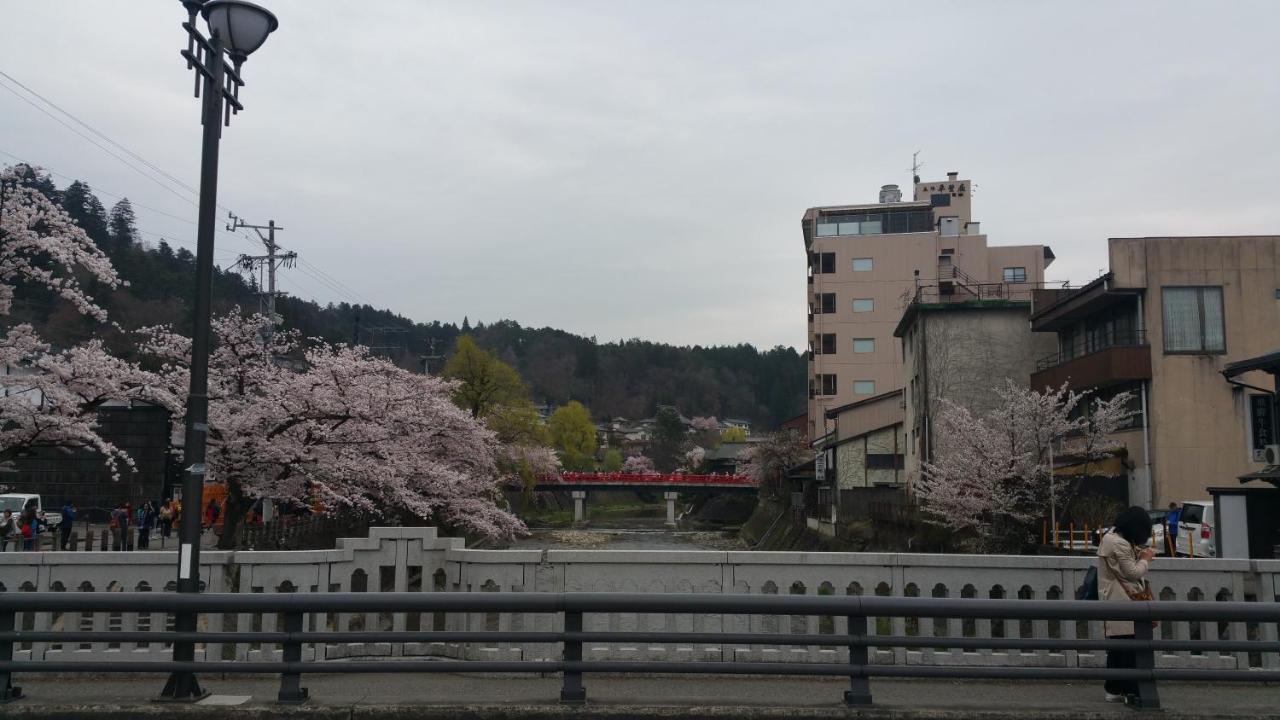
column 415, row 560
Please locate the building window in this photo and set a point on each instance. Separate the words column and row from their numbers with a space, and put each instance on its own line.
column 823, row 263
column 1193, row 321
column 861, row 305
column 864, row 387
column 940, row 200
column 825, row 384
column 1015, row 274
column 825, row 344
column 885, row 461
column 863, row 265
column 864, row 345
column 826, row 303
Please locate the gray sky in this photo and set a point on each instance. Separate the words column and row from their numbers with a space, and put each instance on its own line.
column 639, row 169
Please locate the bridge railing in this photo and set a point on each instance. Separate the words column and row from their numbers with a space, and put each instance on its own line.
column 571, row 608
column 617, row 478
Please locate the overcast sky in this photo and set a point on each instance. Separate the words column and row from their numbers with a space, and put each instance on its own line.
column 640, row 169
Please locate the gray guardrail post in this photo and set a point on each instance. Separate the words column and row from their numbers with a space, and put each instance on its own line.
column 291, row 690
column 1148, row 696
column 859, row 692
column 571, row 691
column 8, row 693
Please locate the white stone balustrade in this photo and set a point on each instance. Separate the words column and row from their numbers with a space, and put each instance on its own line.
column 415, row 560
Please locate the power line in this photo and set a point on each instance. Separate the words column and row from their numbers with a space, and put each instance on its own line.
column 97, row 190
column 96, row 144
column 318, row 274
column 100, row 134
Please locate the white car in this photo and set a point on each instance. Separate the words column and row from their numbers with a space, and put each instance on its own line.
column 17, row 502
column 1197, row 534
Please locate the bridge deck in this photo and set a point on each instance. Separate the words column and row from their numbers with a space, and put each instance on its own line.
column 448, row 696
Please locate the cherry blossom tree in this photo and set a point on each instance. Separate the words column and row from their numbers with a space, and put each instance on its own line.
column 993, row 479
column 638, row 465
column 693, row 459
column 336, row 426
column 50, row 397
column 766, row 461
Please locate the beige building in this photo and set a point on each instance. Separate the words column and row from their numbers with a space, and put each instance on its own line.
column 1164, row 323
column 866, row 261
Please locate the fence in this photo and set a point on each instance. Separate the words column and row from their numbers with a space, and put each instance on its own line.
column 568, row 611
column 414, row 560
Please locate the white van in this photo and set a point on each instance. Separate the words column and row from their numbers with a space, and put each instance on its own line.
column 17, row 502
column 1197, row 531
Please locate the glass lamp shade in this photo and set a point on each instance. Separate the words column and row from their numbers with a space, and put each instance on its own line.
column 242, row 26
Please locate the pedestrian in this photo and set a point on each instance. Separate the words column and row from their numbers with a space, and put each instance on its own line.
column 1171, row 535
column 29, row 525
column 166, row 519
column 8, row 530
column 211, row 514
column 1123, row 561
column 146, row 521
column 119, row 527
column 66, row 524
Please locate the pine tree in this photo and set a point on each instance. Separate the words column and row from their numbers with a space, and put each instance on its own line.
column 123, row 226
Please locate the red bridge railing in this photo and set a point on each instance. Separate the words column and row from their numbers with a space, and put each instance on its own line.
column 618, row 478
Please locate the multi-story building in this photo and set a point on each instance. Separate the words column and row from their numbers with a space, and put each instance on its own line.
column 866, row 261
column 1165, row 323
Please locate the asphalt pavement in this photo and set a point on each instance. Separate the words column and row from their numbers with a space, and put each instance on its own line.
column 458, row 696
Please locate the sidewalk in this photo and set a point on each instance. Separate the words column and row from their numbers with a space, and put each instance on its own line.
column 472, row 696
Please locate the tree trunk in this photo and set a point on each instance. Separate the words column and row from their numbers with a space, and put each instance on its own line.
column 232, row 516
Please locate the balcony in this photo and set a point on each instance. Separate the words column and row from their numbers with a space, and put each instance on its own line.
column 1123, row 357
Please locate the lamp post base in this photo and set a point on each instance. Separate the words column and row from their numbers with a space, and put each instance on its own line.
column 182, row 687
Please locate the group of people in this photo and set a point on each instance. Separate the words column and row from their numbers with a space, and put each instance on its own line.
column 146, row 519
column 18, row 532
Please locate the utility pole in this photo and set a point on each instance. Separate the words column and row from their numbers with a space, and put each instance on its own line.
column 430, row 357
column 269, row 263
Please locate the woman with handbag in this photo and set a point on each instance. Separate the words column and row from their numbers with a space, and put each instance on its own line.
column 1123, row 559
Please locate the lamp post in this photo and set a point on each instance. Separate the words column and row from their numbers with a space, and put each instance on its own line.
column 236, row 29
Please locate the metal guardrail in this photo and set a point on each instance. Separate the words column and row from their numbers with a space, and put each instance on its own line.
column 573, row 606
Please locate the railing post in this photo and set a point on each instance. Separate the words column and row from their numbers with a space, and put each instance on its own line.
column 8, row 693
column 571, row 691
column 1148, row 697
column 291, row 690
column 859, row 692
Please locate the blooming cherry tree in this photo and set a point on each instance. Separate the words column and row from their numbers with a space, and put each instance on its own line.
column 345, row 430
column 993, row 479
column 51, row 398
column 638, row 465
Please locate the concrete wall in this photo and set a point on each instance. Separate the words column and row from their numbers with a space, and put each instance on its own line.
column 415, row 560
column 970, row 350
column 1199, row 422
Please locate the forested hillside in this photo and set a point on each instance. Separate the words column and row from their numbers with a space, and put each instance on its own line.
column 629, row 378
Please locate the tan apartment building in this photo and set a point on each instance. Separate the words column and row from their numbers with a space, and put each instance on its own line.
column 1164, row 323
column 864, row 262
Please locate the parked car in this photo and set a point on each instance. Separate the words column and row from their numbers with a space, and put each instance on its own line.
column 17, row 502
column 1159, row 521
column 1197, row 534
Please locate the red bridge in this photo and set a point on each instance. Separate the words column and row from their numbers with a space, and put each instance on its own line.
column 672, row 482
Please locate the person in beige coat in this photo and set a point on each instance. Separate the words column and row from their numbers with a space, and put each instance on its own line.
column 1123, row 561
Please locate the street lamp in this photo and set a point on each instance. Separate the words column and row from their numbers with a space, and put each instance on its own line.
column 236, row 29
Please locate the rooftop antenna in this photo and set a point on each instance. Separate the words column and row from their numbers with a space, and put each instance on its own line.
column 915, row 167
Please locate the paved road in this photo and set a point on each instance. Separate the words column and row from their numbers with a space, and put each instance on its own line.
column 473, row 696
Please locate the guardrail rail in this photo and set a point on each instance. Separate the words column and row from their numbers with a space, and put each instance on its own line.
column 570, row 608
